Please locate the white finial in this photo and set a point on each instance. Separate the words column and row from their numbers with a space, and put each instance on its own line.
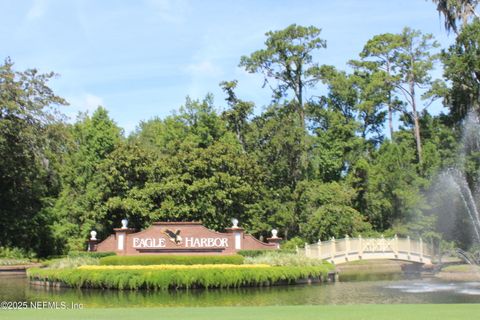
column 124, row 223
column 235, row 223
column 274, row 233
column 93, row 235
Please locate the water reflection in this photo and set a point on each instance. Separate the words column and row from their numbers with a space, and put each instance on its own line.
column 358, row 292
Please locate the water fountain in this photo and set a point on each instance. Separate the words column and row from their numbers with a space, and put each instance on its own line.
column 454, row 177
column 459, row 194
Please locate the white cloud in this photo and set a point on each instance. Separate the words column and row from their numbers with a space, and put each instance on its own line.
column 92, row 102
column 37, row 10
column 204, row 68
column 173, row 11
column 84, row 103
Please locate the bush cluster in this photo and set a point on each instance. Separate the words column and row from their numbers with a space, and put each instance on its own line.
column 175, row 267
column 160, row 259
column 256, row 253
column 71, row 262
column 275, row 258
column 91, row 254
column 177, row 279
column 15, row 253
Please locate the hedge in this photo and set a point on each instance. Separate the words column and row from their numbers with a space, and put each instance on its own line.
column 91, row 254
column 256, row 253
column 160, row 259
column 177, row 279
column 251, row 253
column 175, row 267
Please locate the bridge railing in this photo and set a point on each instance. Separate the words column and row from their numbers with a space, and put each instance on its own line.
column 347, row 249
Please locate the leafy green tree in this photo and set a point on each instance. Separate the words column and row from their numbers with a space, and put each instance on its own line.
column 29, row 133
column 415, row 61
column 394, row 187
column 93, row 139
column 287, row 59
column 378, row 63
column 329, row 212
column 287, row 66
column 120, row 178
column 238, row 113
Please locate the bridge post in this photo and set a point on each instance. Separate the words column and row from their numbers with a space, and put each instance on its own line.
column 307, row 250
column 319, row 249
column 332, row 253
column 360, row 247
column 421, row 249
column 347, row 247
column 409, row 247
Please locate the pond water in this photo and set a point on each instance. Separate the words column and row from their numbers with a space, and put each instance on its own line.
column 17, row 288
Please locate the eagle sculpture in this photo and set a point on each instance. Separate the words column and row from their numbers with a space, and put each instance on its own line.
column 174, row 236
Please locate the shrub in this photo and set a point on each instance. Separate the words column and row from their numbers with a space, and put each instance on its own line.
column 293, row 243
column 180, row 278
column 284, row 259
column 251, row 253
column 71, row 262
column 175, row 267
column 15, row 253
column 11, row 262
column 160, row 259
column 91, row 254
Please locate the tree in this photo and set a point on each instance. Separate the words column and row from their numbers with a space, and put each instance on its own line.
column 378, row 62
column 455, row 11
column 288, row 60
column 238, row 113
column 359, row 97
column 28, row 145
column 328, row 212
column 462, row 68
column 94, row 138
column 415, row 62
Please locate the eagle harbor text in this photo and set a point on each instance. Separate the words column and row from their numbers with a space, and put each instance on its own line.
column 190, row 242
column 180, row 238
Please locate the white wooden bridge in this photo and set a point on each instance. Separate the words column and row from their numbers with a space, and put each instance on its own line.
column 339, row 251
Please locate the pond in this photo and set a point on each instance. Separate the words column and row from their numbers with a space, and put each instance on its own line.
column 392, row 290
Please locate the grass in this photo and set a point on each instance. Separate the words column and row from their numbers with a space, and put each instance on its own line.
column 11, row 261
column 71, row 262
column 326, row 312
column 461, row 268
column 274, row 258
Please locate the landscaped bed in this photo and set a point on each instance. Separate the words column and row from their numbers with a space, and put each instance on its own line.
column 176, row 278
column 170, row 259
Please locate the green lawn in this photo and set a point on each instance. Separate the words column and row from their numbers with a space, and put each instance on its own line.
column 344, row 312
column 461, row 268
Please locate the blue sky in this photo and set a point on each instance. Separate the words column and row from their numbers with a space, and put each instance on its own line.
column 139, row 59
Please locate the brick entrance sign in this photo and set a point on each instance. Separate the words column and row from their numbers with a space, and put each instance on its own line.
column 180, row 238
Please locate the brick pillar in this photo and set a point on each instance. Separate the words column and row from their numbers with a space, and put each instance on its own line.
column 92, row 242
column 237, row 236
column 121, row 238
column 276, row 240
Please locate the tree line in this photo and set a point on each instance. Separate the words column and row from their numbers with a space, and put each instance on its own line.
column 323, row 159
